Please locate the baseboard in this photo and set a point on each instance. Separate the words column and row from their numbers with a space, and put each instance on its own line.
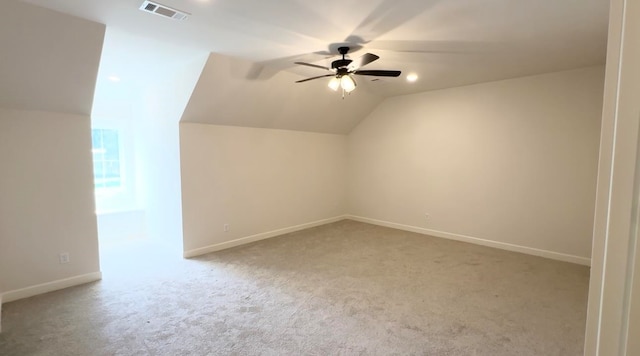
column 478, row 241
column 27, row 292
column 258, row 237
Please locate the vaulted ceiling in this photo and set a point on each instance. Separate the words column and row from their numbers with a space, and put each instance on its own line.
column 224, row 96
column 249, row 81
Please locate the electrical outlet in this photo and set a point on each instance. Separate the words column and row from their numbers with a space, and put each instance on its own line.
column 226, row 227
column 64, row 257
column 427, row 216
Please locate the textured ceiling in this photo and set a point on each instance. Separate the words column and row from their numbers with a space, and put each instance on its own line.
column 447, row 43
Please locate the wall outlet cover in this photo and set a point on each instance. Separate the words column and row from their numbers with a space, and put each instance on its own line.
column 64, row 257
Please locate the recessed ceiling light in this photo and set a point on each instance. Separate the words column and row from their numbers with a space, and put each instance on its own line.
column 412, row 77
column 113, row 78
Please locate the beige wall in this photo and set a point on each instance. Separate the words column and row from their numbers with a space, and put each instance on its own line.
column 512, row 162
column 49, row 66
column 257, row 180
column 48, row 60
column 47, row 204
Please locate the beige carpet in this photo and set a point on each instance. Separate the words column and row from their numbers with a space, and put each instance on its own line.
column 346, row 288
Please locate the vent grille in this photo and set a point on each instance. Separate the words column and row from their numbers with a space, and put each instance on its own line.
column 164, row 11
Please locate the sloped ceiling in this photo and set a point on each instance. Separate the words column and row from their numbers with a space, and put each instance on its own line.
column 447, row 43
column 224, row 96
column 48, row 60
column 151, row 75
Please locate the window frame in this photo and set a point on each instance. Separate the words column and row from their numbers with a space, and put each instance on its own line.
column 105, row 190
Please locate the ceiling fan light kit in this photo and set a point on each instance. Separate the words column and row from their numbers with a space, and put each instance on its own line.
column 345, row 82
column 334, row 84
column 344, row 69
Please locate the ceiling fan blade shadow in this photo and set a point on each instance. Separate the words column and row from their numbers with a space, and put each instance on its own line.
column 312, row 78
column 363, row 61
column 387, row 16
column 353, row 47
column 437, row 46
column 332, row 48
column 379, row 73
column 260, row 71
column 260, row 14
column 312, row 65
column 265, row 70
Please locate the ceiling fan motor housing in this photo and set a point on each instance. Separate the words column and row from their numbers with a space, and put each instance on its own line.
column 340, row 63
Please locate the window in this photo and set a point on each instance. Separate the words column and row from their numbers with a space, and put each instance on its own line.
column 106, row 159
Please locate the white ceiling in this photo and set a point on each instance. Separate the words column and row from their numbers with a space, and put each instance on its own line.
column 447, row 43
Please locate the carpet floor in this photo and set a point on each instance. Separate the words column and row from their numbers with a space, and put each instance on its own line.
column 346, row 288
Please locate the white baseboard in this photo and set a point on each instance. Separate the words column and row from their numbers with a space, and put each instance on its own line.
column 27, row 292
column 478, row 241
column 258, row 237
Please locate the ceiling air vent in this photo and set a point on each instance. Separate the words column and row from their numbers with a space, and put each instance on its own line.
column 164, row 11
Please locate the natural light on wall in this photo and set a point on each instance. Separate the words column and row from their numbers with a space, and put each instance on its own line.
column 114, row 168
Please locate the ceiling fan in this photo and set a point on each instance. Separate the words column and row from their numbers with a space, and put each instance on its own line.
column 344, row 69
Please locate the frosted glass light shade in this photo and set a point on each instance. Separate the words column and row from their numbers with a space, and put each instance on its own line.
column 334, row 83
column 347, row 83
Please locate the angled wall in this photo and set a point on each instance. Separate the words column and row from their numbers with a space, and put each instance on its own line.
column 48, row 60
column 49, row 67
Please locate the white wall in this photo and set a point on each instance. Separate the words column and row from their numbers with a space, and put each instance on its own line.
column 158, row 155
column 47, row 203
column 156, row 82
column 114, row 227
column 158, row 147
column 512, row 161
column 257, row 180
